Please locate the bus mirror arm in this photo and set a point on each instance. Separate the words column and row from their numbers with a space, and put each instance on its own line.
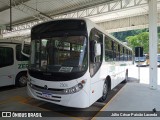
column 22, row 47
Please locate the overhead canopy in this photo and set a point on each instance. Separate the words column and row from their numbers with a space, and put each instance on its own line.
column 29, row 10
column 113, row 15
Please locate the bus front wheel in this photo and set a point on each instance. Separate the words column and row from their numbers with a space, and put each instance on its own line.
column 105, row 92
column 21, row 79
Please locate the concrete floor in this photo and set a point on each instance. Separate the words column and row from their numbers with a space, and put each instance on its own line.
column 135, row 96
column 16, row 99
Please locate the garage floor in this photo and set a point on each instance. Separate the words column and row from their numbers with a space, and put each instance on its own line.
column 136, row 95
column 16, row 99
column 133, row 97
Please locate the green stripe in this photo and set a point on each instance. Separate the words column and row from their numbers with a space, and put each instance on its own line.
column 123, row 64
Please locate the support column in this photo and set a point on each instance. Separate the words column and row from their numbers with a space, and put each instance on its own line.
column 153, row 43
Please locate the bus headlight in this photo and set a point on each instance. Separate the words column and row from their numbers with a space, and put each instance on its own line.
column 80, row 85
column 75, row 88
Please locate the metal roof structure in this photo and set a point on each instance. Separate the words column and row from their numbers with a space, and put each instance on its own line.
column 29, row 10
column 113, row 15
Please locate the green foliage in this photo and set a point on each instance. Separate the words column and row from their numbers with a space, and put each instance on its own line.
column 123, row 35
column 137, row 38
column 141, row 40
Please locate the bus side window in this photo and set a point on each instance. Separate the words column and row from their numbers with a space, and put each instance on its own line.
column 108, row 49
column 6, row 56
column 19, row 55
column 121, row 53
column 117, row 51
column 126, row 55
column 114, row 50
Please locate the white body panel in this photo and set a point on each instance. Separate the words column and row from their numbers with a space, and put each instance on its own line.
column 8, row 73
column 7, row 76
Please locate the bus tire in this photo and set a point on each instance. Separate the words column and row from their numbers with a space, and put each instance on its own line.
column 105, row 92
column 126, row 77
column 21, row 79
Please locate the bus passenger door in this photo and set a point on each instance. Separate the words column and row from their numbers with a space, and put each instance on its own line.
column 6, row 66
column 96, row 39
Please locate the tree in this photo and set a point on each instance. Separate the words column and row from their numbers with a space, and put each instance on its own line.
column 122, row 35
column 141, row 40
column 137, row 38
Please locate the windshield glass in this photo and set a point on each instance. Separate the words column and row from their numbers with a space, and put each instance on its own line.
column 59, row 54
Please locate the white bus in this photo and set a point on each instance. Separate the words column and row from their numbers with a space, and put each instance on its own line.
column 74, row 63
column 13, row 65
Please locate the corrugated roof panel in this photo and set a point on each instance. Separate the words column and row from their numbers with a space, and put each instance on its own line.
column 54, row 5
column 16, row 16
column 48, row 7
column 3, row 6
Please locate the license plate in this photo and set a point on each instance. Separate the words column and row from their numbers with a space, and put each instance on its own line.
column 47, row 95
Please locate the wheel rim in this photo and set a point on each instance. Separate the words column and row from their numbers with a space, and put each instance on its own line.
column 23, row 80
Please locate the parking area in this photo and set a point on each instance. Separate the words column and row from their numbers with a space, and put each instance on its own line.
column 16, row 99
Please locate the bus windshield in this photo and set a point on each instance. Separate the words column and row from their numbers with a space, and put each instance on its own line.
column 59, row 54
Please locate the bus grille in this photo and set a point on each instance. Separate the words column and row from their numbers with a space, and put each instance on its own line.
column 49, row 90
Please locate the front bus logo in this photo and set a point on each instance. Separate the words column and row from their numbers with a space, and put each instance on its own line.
column 6, row 114
column 22, row 66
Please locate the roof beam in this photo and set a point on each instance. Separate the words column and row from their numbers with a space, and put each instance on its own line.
column 18, row 2
column 129, row 23
column 91, row 12
column 103, row 8
column 33, row 12
column 20, row 5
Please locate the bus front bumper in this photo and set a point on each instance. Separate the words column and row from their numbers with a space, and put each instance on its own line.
column 77, row 100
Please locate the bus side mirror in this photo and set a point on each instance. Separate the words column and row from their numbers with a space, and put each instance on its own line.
column 95, row 50
column 22, row 49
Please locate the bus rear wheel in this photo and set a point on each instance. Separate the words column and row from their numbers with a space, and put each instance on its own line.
column 21, row 80
column 105, row 92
